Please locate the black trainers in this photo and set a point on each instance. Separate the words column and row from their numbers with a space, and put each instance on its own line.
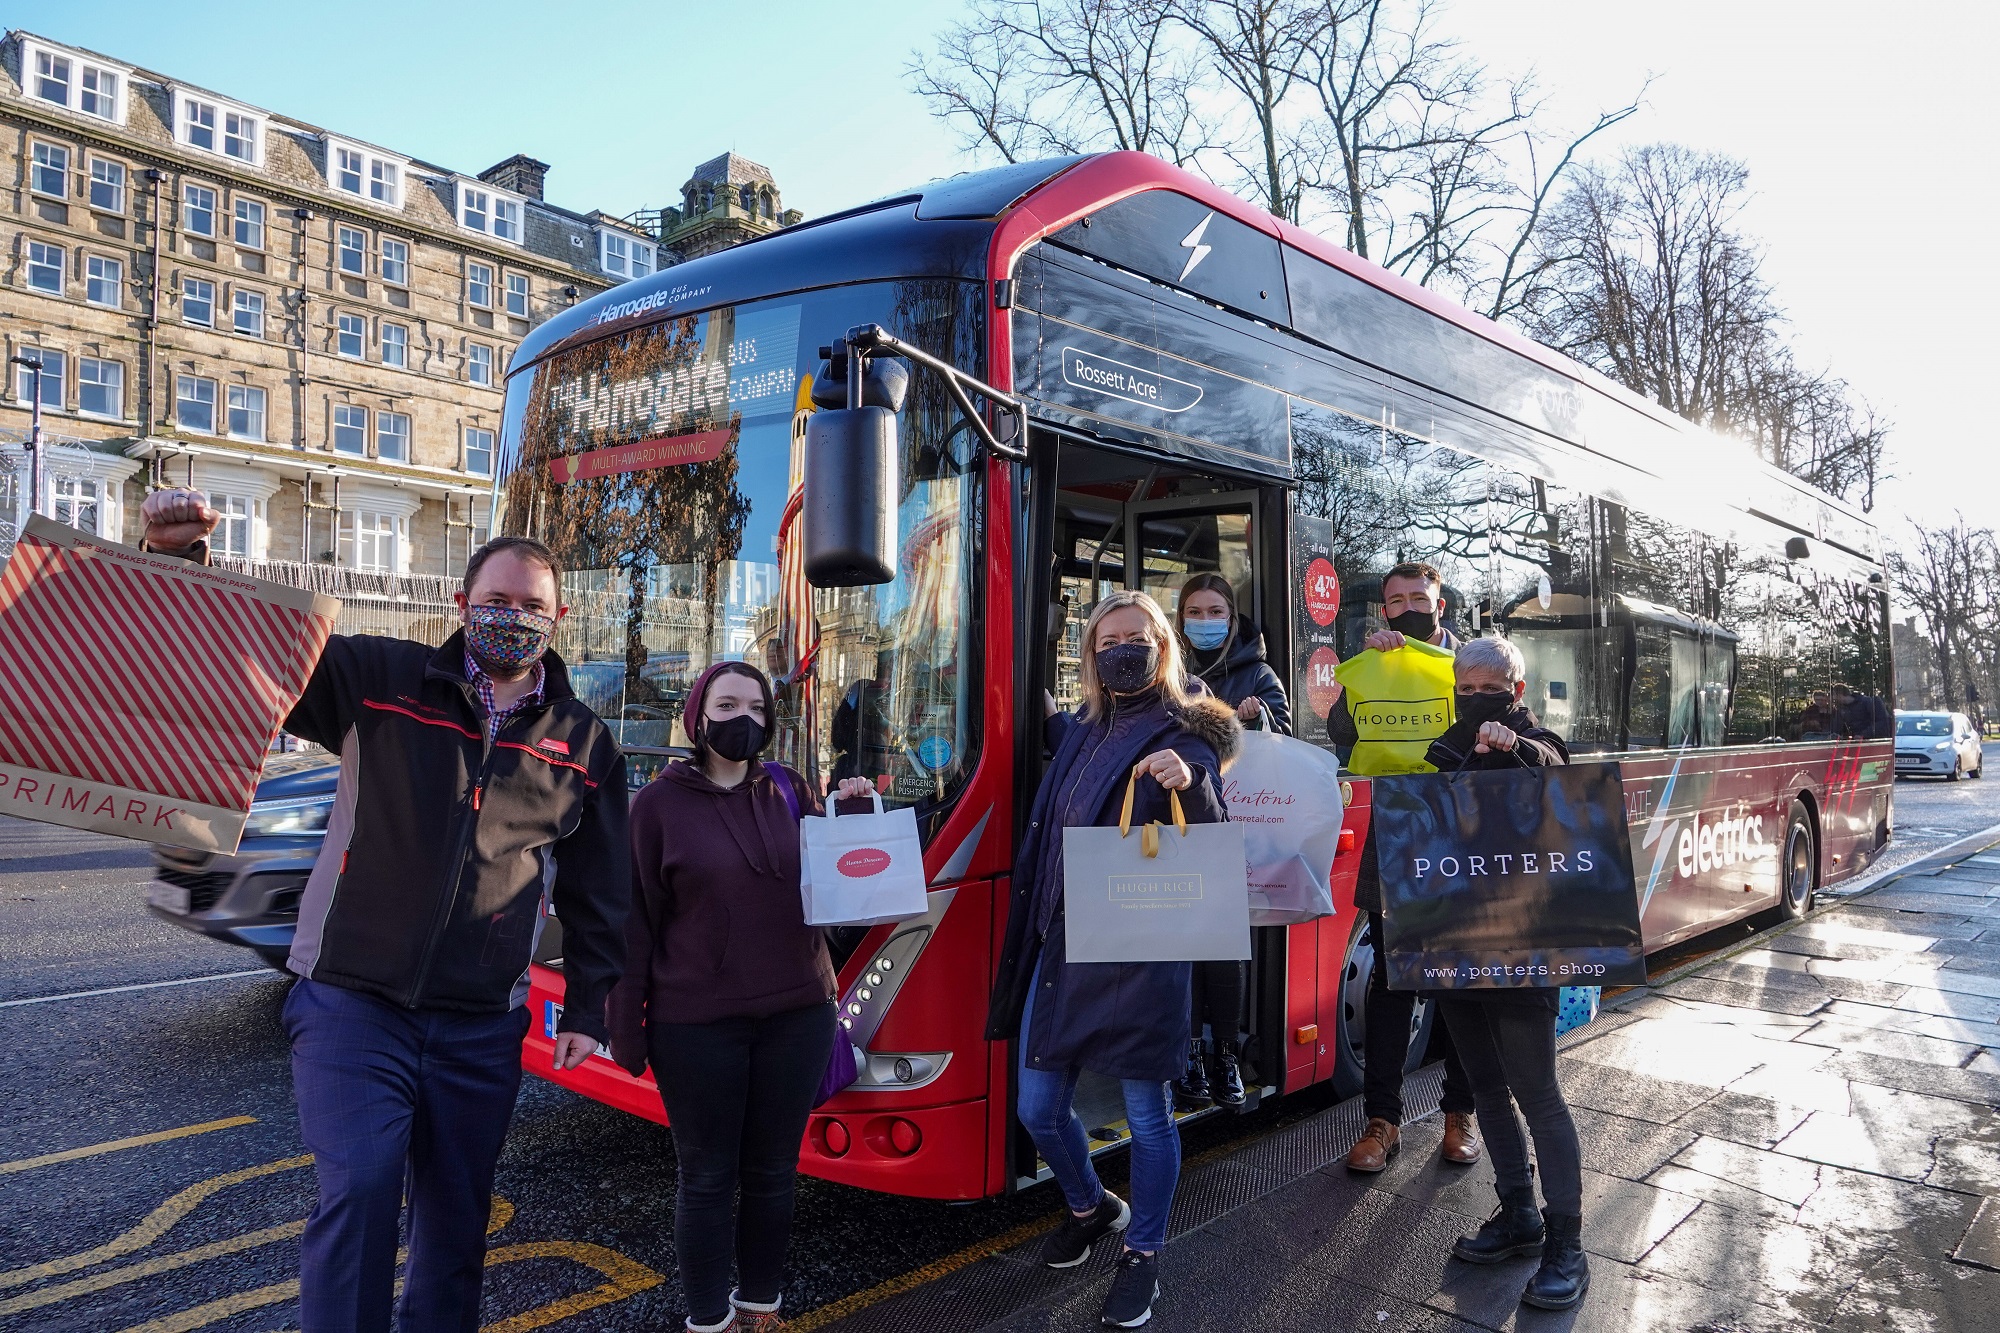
column 1070, row 1245
column 1133, row 1290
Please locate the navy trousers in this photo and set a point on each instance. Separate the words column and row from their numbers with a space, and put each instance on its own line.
column 392, row 1099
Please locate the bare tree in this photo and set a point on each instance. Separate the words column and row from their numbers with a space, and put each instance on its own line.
column 1037, row 78
column 1262, row 50
column 1648, row 276
column 1950, row 577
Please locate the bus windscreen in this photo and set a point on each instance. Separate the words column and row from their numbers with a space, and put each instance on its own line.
column 663, row 465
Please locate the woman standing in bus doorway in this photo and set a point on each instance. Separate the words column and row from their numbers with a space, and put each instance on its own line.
column 727, row 993
column 1127, row 1021
column 1225, row 652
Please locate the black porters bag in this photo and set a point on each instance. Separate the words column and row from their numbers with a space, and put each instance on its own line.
column 1518, row 877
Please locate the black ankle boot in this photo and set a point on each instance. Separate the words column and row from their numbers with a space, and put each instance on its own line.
column 1191, row 1091
column 1515, row 1228
column 1564, row 1275
column 1228, row 1078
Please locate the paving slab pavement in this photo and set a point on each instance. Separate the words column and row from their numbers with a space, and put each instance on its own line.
column 1801, row 1133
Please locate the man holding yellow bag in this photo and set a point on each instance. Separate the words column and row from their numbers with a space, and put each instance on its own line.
column 1396, row 698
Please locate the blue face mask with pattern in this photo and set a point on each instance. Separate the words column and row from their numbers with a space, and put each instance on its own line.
column 1206, row 635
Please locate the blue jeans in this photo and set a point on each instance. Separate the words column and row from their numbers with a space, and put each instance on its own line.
column 392, row 1098
column 1046, row 1108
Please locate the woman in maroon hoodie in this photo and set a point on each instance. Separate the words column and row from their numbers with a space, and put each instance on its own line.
column 727, row 993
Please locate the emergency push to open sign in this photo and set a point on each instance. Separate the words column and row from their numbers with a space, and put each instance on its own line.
column 143, row 691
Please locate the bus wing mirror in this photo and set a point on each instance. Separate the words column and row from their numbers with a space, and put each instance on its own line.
column 849, row 503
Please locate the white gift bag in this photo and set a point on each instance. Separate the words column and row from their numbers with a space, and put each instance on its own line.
column 1172, row 894
column 861, row 870
column 1284, row 794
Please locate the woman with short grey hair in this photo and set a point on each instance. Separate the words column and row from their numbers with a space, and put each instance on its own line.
column 1506, row 1038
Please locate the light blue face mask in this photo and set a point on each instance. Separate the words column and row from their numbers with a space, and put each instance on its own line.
column 1206, row 635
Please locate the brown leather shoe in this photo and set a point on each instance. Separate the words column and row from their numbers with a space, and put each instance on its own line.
column 1461, row 1140
column 1380, row 1143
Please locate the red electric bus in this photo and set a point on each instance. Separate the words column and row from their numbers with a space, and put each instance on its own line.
column 1149, row 378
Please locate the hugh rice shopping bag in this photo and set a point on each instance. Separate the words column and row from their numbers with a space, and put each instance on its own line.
column 143, row 691
column 1170, row 895
column 1518, row 877
column 1284, row 794
column 861, row 870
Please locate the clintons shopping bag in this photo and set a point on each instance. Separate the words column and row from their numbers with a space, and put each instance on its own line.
column 142, row 692
column 1285, row 796
column 861, row 870
column 1516, row 877
column 1167, row 895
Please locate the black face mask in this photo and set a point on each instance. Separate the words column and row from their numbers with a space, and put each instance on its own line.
column 738, row 739
column 1484, row 707
column 1415, row 624
column 1128, row 668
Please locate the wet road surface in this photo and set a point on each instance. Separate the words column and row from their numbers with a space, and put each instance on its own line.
column 152, row 1180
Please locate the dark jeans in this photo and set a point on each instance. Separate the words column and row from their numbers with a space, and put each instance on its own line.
column 1387, row 1046
column 1218, row 998
column 392, row 1099
column 1509, row 1049
column 738, row 1094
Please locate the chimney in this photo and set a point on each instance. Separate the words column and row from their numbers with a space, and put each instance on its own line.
column 519, row 173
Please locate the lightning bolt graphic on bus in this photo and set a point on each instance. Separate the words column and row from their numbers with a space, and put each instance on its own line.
column 1660, row 833
column 1193, row 243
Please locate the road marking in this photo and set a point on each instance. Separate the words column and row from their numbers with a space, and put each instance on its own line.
column 502, row 1213
column 917, row 1277
column 119, row 1145
column 149, row 985
column 627, row 1277
column 152, row 1227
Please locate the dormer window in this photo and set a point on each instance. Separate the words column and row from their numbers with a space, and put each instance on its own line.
column 215, row 126
column 52, row 77
column 73, row 82
column 623, row 256
column 489, row 212
column 365, row 173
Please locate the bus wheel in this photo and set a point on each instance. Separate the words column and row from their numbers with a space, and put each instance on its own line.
column 1357, row 973
column 1800, row 868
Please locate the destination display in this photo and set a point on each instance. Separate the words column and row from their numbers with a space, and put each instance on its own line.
column 1083, row 349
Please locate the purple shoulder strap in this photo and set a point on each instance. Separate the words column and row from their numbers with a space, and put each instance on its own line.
column 784, row 781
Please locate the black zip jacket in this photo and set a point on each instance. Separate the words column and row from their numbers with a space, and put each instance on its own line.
column 442, row 847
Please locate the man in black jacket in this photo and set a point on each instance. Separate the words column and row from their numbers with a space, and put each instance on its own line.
column 475, row 790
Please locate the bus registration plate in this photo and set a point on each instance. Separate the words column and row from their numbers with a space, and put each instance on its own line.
column 552, row 1014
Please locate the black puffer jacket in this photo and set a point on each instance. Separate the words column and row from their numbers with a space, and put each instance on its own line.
column 1238, row 669
column 442, row 845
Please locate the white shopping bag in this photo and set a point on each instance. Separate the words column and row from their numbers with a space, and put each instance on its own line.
column 1172, row 894
column 1284, row 794
column 861, row 870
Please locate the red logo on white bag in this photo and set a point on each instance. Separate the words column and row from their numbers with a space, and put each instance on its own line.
column 863, row 862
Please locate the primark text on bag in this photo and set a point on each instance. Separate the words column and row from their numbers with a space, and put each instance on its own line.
column 143, row 691
column 1285, row 795
column 1508, row 878
column 1156, row 894
column 861, row 870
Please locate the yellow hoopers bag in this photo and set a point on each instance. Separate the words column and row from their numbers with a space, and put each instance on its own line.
column 1401, row 701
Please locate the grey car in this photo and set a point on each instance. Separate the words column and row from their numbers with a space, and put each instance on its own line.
column 1942, row 745
column 251, row 898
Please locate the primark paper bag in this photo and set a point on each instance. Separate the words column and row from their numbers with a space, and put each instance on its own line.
column 142, row 692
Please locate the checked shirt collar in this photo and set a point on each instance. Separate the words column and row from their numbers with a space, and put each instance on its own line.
column 496, row 718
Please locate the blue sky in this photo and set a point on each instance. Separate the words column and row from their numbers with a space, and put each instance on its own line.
column 1868, row 137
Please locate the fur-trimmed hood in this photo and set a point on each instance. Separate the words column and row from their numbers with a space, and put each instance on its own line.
column 1215, row 722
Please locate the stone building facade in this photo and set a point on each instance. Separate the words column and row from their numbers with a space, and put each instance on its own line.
column 312, row 328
